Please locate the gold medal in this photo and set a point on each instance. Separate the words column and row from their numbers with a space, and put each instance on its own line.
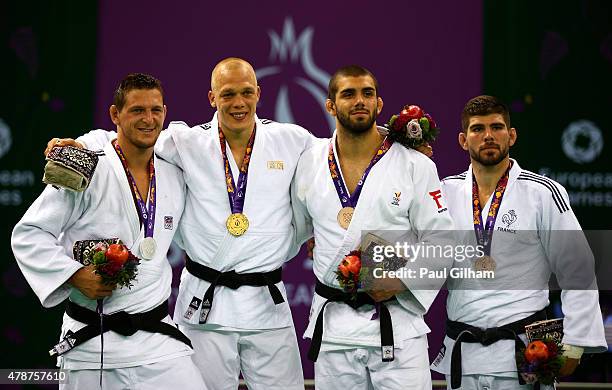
column 237, row 224
column 344, row 217
column 485, row 263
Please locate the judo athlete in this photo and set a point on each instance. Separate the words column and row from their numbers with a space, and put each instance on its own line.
column 359, row 181
column 237, row 233
column 138, row 198
column 535, row 233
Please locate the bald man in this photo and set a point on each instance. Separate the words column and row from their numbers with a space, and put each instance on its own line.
column 236, row 230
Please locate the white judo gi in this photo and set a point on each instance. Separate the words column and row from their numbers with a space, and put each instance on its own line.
column 245, row 330
column 42, row 243
column 395, row 199
column 527, row 246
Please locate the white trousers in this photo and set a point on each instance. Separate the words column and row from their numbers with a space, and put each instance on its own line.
column 268, row 359
column 363, row 368
column 178, row 373
column 490, row 382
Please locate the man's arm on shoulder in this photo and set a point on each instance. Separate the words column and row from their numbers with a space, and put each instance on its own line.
column 301, row 220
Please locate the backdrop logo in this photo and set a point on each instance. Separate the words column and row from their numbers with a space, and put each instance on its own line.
column 582, row 141
column 5, row 138
column 287, row 50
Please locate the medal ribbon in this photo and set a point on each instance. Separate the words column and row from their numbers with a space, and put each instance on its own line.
column 351, row 200
column 484, row 232
column 236, row 194
column 147, row 217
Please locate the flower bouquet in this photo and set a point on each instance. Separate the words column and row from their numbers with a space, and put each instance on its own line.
column 541, row 361
column 412, row 127
column 349, row 272
column 357, row 269
column 114, row 263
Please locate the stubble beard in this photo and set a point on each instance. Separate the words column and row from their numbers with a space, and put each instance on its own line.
column 355, row 127
column 489, row 161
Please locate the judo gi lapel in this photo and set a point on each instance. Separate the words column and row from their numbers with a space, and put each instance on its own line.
column 228, row 239
column 515, row 171
column 372, row 186
column 124, row 191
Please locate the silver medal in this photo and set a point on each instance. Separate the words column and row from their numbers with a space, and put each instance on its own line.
column 147, row 248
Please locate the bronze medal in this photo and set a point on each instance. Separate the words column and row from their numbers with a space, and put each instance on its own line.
column 237, row 224
column 485, row 263
column 344, row 217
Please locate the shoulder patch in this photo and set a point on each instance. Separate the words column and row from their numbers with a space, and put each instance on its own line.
column 266, row 121
column 550, row 185
column 206, row 126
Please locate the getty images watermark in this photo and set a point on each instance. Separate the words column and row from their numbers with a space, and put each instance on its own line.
column 453, row 261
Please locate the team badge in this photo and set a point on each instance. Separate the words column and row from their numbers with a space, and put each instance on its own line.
column 168, row 222
column 396, row 198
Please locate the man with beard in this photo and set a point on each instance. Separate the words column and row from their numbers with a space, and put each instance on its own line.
column 355, row 182
column 237, row 234
column 527, row 212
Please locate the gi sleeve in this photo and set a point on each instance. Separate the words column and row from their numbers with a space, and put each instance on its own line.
column 167, row 145
column 96, row 139
column 432, row 223
column 571, row 259
column 301, row 220
column 39, row 254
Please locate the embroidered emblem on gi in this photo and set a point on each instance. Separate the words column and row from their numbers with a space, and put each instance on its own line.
column 440, row 356
column 276, row 164
column 509, row 218
column 168, row 222
column 193, row 307
column 436, row 196
column 396, row 198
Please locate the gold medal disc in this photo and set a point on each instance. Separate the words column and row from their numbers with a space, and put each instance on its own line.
column 344, row 217
column 237, row 224
column 485, row 263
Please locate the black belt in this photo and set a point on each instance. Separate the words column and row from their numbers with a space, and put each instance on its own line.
column 464, row 333
column 335, row 295
column 233, row 280
column 121, row 322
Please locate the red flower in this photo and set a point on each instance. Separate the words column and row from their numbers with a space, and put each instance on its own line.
column 350, row 266
column 400, row 122
column 536, row 351
column 117, row 254
column 413, row 112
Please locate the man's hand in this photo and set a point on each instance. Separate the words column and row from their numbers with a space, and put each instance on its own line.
column 62, row 142
column 383, row 289
column 569, row 367
column 90, row 284
column 426, row 149
column 310, row 244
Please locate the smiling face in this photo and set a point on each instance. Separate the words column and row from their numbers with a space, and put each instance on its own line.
column 356, row 104
column 487, row 139
column 234, row 93
column 141, row 118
